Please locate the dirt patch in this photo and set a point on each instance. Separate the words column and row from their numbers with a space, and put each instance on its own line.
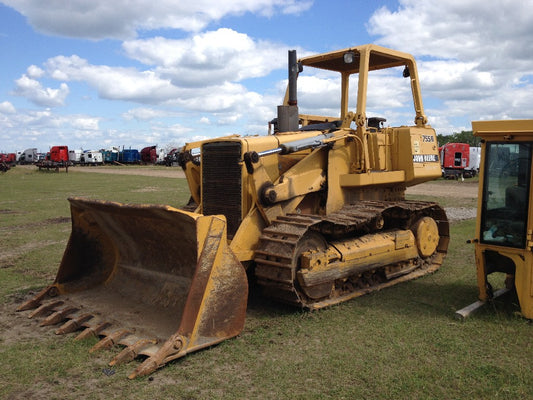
column 58, row 220
column 9, row 256
column 467, row 190
column 460, row 213
column 458, row 189
column 170, row 172
column 455, row 189
column 146, row 189
column 16, row 327
column 34, row 225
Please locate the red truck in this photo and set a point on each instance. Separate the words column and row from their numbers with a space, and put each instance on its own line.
column 56, row 158
column 454, row 158
column 149, row 155
column 59, row 154
column 7, row 161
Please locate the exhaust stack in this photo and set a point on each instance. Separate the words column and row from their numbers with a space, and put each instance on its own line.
column 288, row 120
column 293, row 76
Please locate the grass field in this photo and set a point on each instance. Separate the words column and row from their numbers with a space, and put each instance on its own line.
column 399, row 343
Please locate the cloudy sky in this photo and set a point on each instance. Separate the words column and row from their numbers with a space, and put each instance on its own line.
column 94, row 74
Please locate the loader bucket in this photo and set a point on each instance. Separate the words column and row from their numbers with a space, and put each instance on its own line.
column 160, row 281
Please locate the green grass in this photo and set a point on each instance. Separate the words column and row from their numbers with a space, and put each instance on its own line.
column 399, row 343
column 35, row 213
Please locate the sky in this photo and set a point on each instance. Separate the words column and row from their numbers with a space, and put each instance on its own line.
column 133, row 73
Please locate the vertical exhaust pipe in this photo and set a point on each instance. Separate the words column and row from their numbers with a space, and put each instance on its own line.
column 288, row 120
column 293, row 77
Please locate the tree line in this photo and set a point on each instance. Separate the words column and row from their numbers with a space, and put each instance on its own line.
column 459, row 137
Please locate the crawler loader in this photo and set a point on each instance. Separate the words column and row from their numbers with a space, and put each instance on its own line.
column 314, row 213
column 504, row 229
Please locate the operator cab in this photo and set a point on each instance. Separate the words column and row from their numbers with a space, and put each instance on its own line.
column 506, row 194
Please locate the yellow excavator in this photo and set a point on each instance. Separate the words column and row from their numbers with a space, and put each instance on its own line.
column 314, row 213
column 504, row 230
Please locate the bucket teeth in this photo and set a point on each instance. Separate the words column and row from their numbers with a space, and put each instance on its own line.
column 169, row 349
column 45, row 309
column 29, row 305
column 37, row 299
column 92, row 331
column 73, row 324
column 110, row 340
column 131, row 352
column 58, row 316
column 146, row 368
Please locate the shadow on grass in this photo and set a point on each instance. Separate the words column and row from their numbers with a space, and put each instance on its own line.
column 422, row 297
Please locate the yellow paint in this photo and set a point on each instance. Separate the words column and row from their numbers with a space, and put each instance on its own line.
column 511, row 131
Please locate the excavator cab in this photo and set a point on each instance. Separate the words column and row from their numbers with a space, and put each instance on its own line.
column 504, row 230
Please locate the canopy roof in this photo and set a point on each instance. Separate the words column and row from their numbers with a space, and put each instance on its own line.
column 379, row 58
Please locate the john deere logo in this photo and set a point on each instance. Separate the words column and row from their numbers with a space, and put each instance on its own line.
column 418, row 158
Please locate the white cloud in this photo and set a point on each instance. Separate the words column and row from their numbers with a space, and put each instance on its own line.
column 199, row 78
column 318, row 94
column 229, row 119
column 388, row 95
column 218, row 101
column 146, row 114
column 494, row 35
column 7, row 108
column 208, row 58
column 114, row 83
column 45, row 128
column 121, row 19
column 84, row 123
column 43, row 120
column 179, row 129
column 37, row 94
column 34, row 72
column 148, row 87
column 456, row 28
column 220, row 98
column 474, row 56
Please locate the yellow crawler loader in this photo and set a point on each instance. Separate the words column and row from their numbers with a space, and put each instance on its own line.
column 314, row 213
column 504, row 229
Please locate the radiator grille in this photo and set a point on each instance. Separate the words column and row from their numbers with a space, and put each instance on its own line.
column 222, row 181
